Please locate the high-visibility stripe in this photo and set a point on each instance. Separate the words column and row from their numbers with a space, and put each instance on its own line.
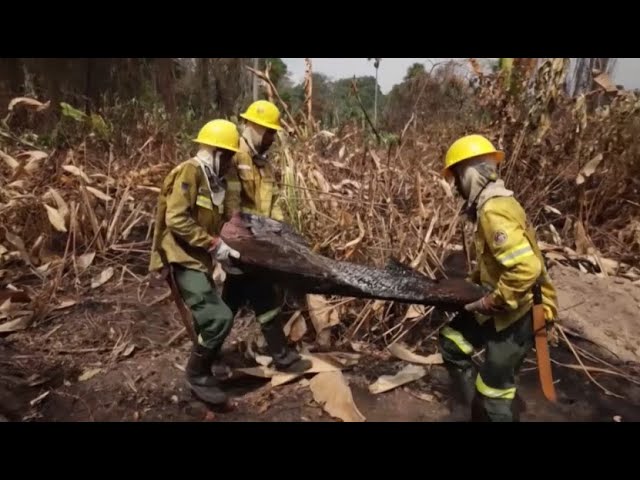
column 513, row 255
column 501, row 393
column 244, row 167
column 267, row 316
column 204, row 202
column 457, row 338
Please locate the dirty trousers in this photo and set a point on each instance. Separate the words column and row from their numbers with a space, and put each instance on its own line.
column 212, row 318
column 254, row 291
column 495, row 383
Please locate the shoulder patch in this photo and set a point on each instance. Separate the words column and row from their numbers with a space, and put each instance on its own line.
column 499, row 238
column 185, row 187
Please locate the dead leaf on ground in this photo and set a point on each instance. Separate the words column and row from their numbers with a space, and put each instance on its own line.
column 56, row 219
column 283, row 378
column 129, row 350
column 263, row 360
column 323, row 314
column 589, row 169
column 296, row 327
column 342, row 359
column 319, row 365
column 415, row 311
column 550, row 209
column 6, row 306
column 581, row 239
column 88, row 374
column 28, row 102
column 408, row 374
column 84, row 261
column 63, row 208
column 17, row 242
column 33, row 160
column 11, row 162
column 103, row 278
column 78, row 172
column 403, row 353
column 330, row 389
column 358, row 346
column 65, row 304
column 427, row 397
column 19, row 323
column 98, row 194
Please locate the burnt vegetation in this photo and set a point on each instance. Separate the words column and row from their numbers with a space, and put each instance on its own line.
column 86, row 143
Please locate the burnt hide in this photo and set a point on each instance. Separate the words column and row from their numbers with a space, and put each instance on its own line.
column 273, row 250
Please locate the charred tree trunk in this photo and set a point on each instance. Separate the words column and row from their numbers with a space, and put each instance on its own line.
column 205, row 87
column 272, row 250
column 166, row 86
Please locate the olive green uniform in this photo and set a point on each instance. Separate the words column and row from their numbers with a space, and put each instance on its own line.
column 509, row 264
column 186, row 224
column 258, row 195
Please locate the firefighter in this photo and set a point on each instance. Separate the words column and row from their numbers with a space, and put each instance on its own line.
column 193, row 204
column 509, row 265
column 259, row 195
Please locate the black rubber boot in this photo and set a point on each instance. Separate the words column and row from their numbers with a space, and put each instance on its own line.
column 202, row 381
column 462, row 394
column 284, row 358
column 464, row 381
column 494, row 410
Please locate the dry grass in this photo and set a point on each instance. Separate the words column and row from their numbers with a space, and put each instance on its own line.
column 84, row 215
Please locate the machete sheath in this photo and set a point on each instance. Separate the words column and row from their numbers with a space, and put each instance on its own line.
column 185, row 313
column 542, row 345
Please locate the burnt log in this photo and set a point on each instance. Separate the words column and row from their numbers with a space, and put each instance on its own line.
column 271, row 249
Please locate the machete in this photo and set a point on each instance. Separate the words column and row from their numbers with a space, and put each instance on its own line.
column 542, row 346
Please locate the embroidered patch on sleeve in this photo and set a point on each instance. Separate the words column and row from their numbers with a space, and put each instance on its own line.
column 499, row 238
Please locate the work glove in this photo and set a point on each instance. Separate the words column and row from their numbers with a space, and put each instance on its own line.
column 487, row 305
column 223, row 253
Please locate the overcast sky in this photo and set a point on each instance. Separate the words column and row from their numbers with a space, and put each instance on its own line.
column 392, row 70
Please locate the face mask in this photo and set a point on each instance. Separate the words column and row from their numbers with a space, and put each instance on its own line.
column 210, row 165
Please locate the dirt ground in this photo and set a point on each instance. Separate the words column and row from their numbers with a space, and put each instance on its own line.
column 122, row 359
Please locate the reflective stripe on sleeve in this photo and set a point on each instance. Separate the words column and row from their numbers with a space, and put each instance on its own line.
column 457, row 338
column 515, row 254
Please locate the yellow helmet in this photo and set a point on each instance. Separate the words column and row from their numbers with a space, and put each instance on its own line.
column 469, row 147
column 263, row 113
column 220, row 133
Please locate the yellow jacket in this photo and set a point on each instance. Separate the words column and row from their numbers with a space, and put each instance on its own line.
column 258, row 185
column 509, row 260
column 187, row 220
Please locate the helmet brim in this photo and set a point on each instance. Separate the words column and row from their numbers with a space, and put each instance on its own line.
column 272, row 126
column 213, row 144
column 498, row 156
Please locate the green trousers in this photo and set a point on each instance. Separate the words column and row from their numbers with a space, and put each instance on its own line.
column 260, row 294
column 495, row 383
column 213, row 319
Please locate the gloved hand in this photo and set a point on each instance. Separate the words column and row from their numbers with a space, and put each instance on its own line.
column 221, row 251
column 487, row 305
column 223, row 254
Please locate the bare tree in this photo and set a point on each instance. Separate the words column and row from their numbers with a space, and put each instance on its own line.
column 376, row 65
